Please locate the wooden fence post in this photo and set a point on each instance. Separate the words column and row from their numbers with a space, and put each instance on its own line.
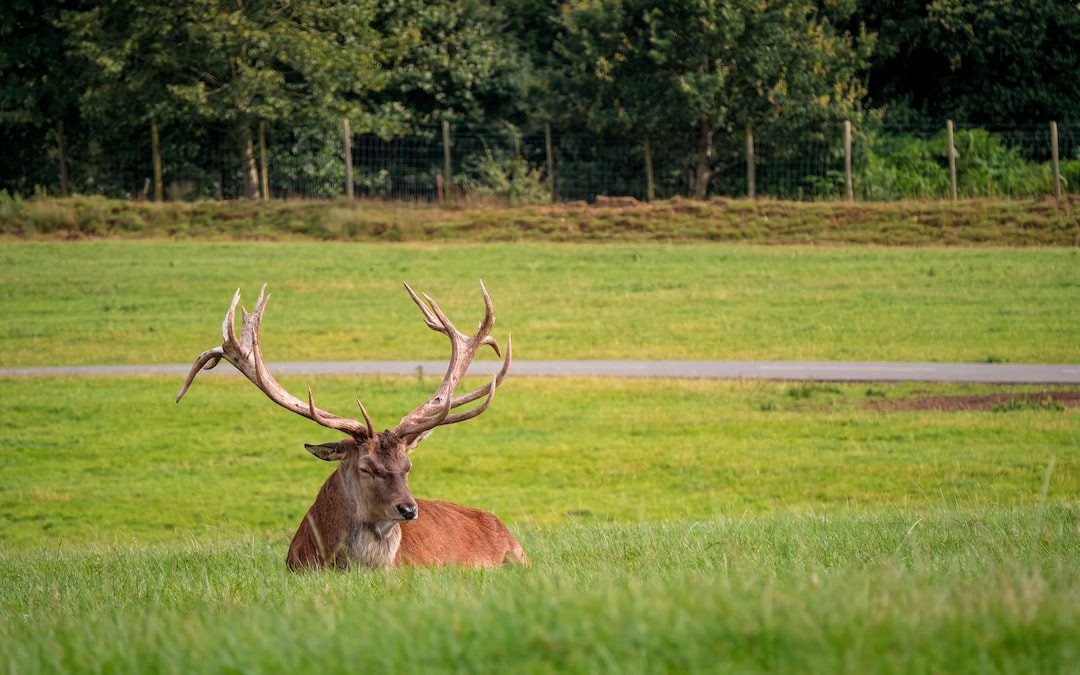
column 262, row 161
column 1054, row 160
column 849, row 179
column 550, row 161
column 952, row 159
column 65, row 182
column 751, row 169
column 348, row 158
column 447, row 178
column 155, row 150
column 650, row 176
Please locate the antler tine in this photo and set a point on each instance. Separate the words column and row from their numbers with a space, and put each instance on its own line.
column 488, row 321
column 428, row 318
column 488, row 340
column 265, row 381
column 213, row 355
column 333, row 421
column 228, row 326
column 482, row 391
column 461, row 417
column 367, row 419
column 463, row 348
column 455, row 350
column 245, row 353
column 447, row 325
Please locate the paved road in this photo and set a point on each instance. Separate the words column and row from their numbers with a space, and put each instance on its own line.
column 765, row 370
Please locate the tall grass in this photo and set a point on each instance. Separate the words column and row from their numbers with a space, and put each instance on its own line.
column 926, row 590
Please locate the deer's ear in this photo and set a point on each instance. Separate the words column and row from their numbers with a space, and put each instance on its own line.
column 332, row 452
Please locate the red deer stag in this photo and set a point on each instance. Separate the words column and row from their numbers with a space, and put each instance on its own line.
column 359, row 512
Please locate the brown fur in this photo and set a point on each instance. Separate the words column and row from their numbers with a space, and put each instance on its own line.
column 348, row 523
column 451, row 534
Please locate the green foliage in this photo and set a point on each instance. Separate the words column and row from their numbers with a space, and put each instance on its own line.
column 505, row 179
column 80, row 84
column 697, row 74
column 448, row 61
column 993, row 61
column 905, row 167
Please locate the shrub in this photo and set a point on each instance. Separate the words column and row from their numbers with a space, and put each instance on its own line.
column 507, row 179
column 910, row 167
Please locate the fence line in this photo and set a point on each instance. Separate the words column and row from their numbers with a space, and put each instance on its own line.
column 459, row 163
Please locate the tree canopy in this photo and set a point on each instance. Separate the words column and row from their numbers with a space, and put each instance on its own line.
column 81, row 79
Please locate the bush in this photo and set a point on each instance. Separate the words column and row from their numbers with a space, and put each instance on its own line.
column 909, row 167
column 987, row 168
column 509, row 179
column 903, row 167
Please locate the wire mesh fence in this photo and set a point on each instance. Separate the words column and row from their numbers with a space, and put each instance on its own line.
column 523, row 166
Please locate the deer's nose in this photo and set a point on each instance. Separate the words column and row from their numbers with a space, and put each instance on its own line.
column 407, row 511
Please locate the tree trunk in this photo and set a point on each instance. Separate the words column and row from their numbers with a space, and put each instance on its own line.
column 751, row 168
column 249, row 172
column 262, row 162
column 155, row 156
column 650, row 182
column 704, row 159
column 65, row 183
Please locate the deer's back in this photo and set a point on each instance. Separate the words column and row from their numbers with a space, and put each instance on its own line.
column 452, row 534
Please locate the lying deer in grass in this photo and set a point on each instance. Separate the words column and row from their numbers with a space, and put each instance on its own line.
column 359, row 512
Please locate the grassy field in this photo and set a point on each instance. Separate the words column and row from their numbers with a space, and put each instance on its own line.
column 784, row 527
column 162, row 302
column 912, row 223
column 118, row 460
column 902, row 592
column 673, row 526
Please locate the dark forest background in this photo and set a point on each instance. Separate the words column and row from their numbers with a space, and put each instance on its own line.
column 88, row 89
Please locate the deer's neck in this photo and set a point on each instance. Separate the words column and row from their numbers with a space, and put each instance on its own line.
column 369, row 541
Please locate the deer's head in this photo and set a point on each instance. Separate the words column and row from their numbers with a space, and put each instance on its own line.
column 377, row 471
column 375, row 465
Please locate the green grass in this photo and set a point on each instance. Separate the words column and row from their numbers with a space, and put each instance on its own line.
column 94, row 459
column 907, row 223
column 162, row 302
column 673, row 526
column 924, row 590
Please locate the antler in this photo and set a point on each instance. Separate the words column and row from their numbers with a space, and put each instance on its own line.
column 436, row 410
column 245, row 353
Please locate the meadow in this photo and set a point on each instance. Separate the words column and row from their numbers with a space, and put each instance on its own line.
column 161, row 302
column 93, row 459
column 987, row 590
column 672, row 525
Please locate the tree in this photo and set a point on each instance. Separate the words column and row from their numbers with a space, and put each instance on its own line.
column 232, row 64
column 710, row 66
column 449, row 61
column 613, row 76
column 38, row 92
column 981, row 61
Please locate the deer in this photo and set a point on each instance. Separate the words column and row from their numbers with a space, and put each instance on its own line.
column 365, row 514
